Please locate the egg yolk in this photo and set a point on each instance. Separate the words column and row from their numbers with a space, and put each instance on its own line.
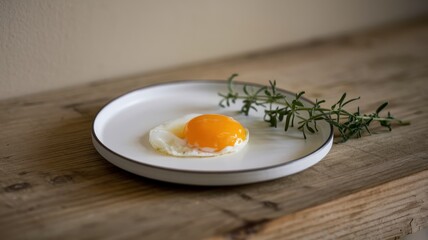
column 213, row 131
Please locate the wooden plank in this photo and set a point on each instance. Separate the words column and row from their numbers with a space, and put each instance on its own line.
column 54, row 184
column 389, row 211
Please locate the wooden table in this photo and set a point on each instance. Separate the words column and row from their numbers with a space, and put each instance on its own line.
column 54, row 185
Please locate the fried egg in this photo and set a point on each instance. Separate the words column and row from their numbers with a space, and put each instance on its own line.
column 199, row 135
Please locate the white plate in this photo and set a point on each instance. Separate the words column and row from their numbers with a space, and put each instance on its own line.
column 120, row 135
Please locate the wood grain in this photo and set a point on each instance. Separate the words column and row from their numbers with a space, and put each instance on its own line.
column 389, row 211
column 55, row 185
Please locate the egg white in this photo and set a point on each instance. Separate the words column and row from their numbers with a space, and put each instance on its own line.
column 163, row 139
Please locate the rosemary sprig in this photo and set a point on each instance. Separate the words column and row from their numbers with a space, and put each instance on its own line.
column 278, row 108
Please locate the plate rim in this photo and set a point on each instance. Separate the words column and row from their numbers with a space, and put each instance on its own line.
column 95, row 137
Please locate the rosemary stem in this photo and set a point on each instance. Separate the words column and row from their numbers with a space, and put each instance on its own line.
column 348, row 124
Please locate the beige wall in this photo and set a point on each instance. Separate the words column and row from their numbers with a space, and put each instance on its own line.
column 46, row 44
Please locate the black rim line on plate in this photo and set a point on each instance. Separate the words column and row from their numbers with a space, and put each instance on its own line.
column 199, row 171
